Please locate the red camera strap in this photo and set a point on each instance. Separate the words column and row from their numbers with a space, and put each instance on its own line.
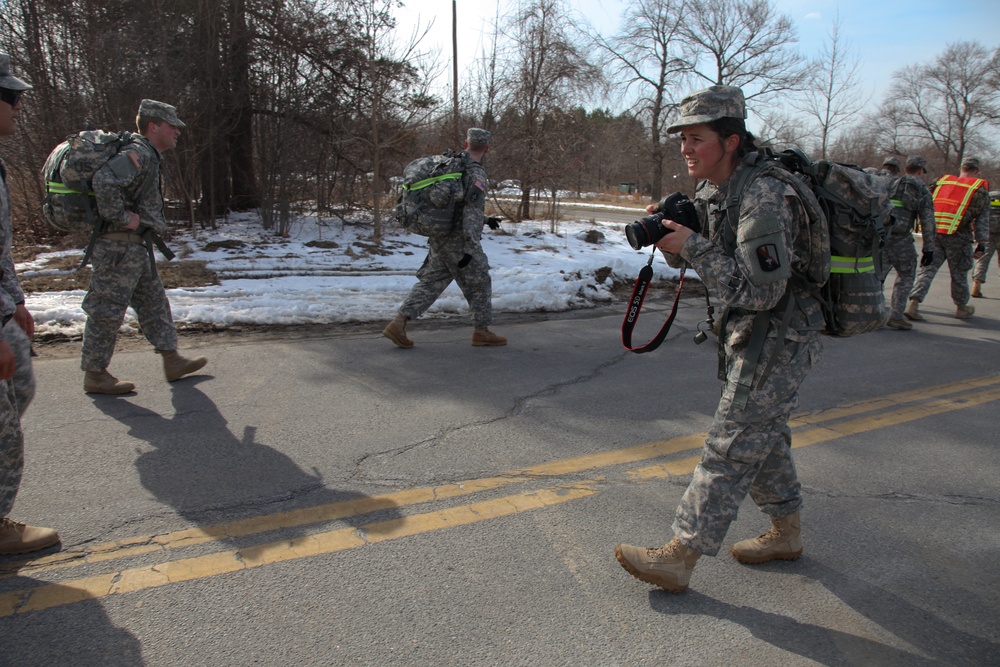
column 635, row 305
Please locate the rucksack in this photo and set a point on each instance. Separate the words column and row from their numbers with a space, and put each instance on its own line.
column 69, row 203
column 431, row 194
column 846, row 234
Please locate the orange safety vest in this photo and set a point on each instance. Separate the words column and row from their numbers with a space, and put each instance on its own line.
column 952, row 195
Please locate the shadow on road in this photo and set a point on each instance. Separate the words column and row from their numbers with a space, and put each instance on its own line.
column 204, row 471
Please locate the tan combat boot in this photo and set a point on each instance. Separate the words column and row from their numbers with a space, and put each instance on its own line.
column 783, row 541
column 396, row 332
column 484, row 337
column 175, row 366
column 17, row 538
column 103, row 382
column 900, row 324
column 668, row 567
column 912, row 311
column 977, row 289
column 964, row 312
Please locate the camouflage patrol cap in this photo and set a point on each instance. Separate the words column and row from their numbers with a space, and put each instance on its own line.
column 477, row 135
column 710, row 104
column 8, row 80
column 160, row 110
column 916, row 162
column 970, row 162
column 892, row 161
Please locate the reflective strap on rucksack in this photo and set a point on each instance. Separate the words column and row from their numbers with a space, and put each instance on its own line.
column 427, row 182
column 898, row 203
column 840, row 264
column 61, row 189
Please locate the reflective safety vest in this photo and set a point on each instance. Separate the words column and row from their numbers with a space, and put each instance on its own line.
column 952, row 196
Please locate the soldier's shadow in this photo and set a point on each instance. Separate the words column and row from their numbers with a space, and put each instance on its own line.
column 938, row 640
column 208, row 474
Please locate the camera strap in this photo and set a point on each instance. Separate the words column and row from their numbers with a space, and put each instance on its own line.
column 635, row 305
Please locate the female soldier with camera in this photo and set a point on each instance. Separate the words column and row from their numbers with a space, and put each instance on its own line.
column 749, row 269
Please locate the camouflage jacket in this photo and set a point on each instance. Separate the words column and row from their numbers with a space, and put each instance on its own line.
column 474, row 204
column 912, row 200
column 130, row 181
column 10, row 290
column 771, row 245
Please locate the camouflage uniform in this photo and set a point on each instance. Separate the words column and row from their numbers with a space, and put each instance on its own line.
column 957, row 249
column 983, row 263
column 16, row 393
column 748, row 449
column 445, row 253
column 911, row 201
column 123, row 275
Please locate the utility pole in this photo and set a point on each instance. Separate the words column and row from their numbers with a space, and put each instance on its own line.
column 454, row 69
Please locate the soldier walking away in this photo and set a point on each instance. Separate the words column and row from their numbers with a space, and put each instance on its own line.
column 457, row 257
column 983, row 263
column 961, row 212
column 17, row 379
column 911, row 201
column 891, row 166
column 748, row 448
column 129, row 197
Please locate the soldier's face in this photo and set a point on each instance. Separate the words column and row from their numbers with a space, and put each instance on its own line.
column 706, row 154
column 164, row 136
column 8, row 115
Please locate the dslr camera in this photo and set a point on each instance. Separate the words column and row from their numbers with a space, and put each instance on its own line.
column 647, row 231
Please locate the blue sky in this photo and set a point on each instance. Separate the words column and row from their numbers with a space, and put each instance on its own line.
column 886, row 34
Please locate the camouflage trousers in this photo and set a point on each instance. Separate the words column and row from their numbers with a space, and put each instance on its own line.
column 747, row 450
column 957, row 250
column 900, row 253
column 983, row 263
column 15, row 395
column 122, row 277
column 440, row 268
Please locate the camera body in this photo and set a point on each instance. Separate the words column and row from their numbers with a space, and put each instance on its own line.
column 647, row 231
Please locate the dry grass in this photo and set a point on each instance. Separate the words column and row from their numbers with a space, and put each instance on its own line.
column 186, row 273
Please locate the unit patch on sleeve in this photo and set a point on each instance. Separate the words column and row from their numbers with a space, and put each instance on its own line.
column 133, row 156
column 767, row 257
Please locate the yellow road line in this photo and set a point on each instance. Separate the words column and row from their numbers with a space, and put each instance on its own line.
column 198, row 567
column 201, row 567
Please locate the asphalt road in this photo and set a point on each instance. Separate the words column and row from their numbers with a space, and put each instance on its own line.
column 332, row 500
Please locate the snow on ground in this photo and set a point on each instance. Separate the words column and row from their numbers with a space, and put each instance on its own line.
column 267, row 279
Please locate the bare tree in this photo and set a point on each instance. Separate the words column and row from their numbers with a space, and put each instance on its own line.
column 545, row 69
column 644, row 58
column 950, row 102
column 743, row 43
column 832, row 96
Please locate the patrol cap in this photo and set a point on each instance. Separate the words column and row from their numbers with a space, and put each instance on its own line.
column 892, row 161
column 477, row 135
column 160, row 110
column 970, row 162
column 710, row 104
column 916, row 162
column 8, row 80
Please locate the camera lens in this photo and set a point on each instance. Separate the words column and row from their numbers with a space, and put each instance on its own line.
column 636, row 235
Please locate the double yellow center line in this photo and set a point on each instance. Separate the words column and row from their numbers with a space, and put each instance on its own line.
column 808, row 429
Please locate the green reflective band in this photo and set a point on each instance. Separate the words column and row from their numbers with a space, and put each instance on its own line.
column 898, row 203
column 995, row 203
column 61, row 189
column 420, row 185
column 851, row 264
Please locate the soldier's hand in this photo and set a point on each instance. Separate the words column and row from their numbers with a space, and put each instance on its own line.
column 980, row 251
column 926, row 258
column 25, row 320
column 133, row 221
column 8, row 362
column 493, row 222
column 464, row 262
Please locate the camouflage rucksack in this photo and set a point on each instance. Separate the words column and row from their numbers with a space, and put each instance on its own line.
column 431, row 196
column 69, row 203
column 854, row 212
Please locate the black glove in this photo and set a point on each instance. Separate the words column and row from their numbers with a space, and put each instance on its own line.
column 493, row 223
column 464, row 262
column 926, row 258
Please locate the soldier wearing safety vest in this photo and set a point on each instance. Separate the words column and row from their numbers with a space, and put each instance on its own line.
column 983, row 263
column 961, row 211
